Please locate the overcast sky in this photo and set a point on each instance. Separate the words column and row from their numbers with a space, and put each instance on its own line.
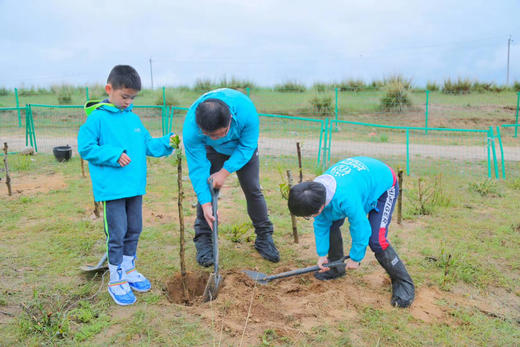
column 266, row 41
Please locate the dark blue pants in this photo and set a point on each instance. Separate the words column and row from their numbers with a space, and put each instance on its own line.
column 249, row 178
column 123, row 224
column 379, row 219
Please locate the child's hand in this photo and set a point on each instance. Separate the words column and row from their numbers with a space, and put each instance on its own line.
column 124, row 160
column 321, row 261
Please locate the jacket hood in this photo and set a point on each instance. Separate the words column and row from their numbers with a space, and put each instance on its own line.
column 92, row 105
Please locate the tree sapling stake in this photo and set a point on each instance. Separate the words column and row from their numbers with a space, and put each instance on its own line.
column 7, row 176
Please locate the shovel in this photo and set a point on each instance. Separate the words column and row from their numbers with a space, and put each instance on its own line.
column 99, row 267
column 264, row 279
column 214, row 280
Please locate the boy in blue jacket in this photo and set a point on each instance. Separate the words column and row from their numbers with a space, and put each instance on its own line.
column 220, row 137
column 115, row 143
column 354, row 188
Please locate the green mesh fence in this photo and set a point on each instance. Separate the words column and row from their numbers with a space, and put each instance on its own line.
column 461, row 151
column 59, row 125
column 13, row 128
column 278, row 133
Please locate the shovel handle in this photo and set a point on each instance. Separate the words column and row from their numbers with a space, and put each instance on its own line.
column 304, row 270
column 214, row 206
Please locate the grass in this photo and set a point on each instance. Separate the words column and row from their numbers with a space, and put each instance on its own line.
column 46, row 236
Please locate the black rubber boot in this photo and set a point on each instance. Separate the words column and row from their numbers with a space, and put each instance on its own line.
column 335, row 253
column 264, row 244
column 403, row 290
column 204, row 246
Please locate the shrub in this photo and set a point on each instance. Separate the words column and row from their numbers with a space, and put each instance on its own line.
column 203, row 85
column 461, row 86
column 97, row 92
column 321, row 87
column 322, row 105
column 428, row 195
column 4, row 92
column 351, row 85
column 290, row 86
column 516, row 86
column 406, row 83
column 235, row 83
column 395, row 98
column 170, row 100
column 486, row 187
column 375, row 85
column 432, row 86
column 64, row 94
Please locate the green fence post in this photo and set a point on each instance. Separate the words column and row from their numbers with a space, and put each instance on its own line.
column 17, row 106
column 164, row 96
column 330, row 142
column 247, row 90
column 30, row 135
column 407, row 152
column 493, row 150
column 501, row 153
column 325, row 142
column 426, row 113
column 86, row 93
column 489, row 154
column 516, row 119
column 322, row 129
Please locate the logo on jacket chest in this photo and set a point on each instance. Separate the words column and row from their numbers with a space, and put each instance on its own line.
column 137, row 130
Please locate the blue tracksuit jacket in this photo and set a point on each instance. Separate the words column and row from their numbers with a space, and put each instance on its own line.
column 107, row 133
column 240, row 142
column 360, row 181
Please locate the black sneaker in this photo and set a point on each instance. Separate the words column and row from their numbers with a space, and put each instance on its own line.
column 204, row 246
column 333, row 273
column 264, row 244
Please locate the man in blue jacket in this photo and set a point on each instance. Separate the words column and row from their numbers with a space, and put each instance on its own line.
column 115, row 143
column 220, row 137
column 354, row 188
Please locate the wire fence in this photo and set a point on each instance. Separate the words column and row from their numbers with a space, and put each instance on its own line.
column 492, row 152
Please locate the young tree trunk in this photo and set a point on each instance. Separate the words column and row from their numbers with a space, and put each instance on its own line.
column 181, row 222
column 82, row 167
column 299, row 150
column 293, row 218
column 7, row 176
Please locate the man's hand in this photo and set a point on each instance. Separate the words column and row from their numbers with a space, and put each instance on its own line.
column 351, row 264
column 219, row 177
column 321, row 262
column 124, row 160
column 208, row 214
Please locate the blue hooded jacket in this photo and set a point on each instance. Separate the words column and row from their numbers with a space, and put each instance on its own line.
column 109, row 132
column 240, row 142
column 358, row 183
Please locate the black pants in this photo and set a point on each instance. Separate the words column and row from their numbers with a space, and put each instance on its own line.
column 249, row 178
column 123, row 224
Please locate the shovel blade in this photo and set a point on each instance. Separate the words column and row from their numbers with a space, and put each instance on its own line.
column 212, row 287
column 257, row 276
column 93, row 268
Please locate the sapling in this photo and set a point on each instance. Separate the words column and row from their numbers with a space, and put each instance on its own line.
column 175, row 142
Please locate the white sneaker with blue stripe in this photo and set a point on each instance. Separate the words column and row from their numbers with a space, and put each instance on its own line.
column 135, row 279
column 118, row 287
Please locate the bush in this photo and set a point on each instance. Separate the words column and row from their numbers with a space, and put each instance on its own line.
column 351, row 85
column 97, row 92
column 4, row 92
column 375, row 85
column 170, row 100
column 203, row 85
column 290, row 86
column 428, row 195
column 461, row 86
column 395, row 98
column 322, row 105
column 432, row 86
column 406, row 83
column 486, row 187
column 235, row 83
column 64, row 94
column 516, row 86
column 321, row 87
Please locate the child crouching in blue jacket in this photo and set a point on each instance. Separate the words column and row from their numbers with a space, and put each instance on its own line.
column 115, row 143
column 364, row 190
